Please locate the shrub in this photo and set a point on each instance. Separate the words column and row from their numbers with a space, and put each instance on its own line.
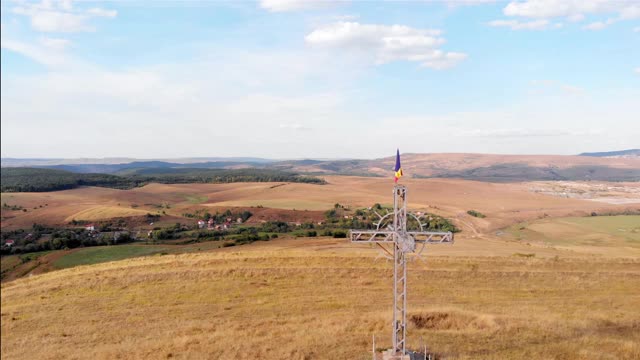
column 477, row 214
column 339, row 234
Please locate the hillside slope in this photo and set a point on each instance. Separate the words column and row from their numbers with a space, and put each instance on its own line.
column 485, row 167
column 325, row 301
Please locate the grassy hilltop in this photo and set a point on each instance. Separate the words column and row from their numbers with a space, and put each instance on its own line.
column 324, row 299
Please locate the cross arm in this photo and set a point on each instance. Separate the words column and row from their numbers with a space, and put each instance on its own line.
column 387, row 236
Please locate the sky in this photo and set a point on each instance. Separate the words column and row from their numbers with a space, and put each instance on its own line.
column 290, row 79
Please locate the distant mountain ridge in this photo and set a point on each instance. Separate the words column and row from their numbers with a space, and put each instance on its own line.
column 47, row 162
column 620, row 153
column 610, row 166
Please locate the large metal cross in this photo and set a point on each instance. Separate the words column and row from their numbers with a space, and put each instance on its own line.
column 404, row 241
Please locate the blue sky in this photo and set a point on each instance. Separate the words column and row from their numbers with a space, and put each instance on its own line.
column 293, row 79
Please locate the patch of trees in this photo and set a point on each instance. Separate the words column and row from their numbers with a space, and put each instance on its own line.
column 249, row 235
column 276, row 227
column 12, row 207
column 40, row 179
column 617, row 212
column 185, row 176
column 220, row 218
column 170, row 233
column 42, row 238
column 368, row 218
column 477, row 214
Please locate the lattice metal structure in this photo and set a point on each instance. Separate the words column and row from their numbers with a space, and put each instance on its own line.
column 405, row 233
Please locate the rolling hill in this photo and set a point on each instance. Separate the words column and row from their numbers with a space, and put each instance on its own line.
column 607, row 166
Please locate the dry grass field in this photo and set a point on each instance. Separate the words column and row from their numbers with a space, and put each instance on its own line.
column 324, row 299
column 504, row 204
column 525, row 282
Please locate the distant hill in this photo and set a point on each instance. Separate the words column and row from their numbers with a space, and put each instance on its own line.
column 609, row 166
column 483, row 167
column 43, row 162
column 129, row 167
column 621, row 153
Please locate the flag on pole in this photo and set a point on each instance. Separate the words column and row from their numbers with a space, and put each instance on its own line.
column 398, row 168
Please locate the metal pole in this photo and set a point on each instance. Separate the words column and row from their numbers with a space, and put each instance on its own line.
column 404, row 273
column 399, row 271
column 404, row 304
column 395, row 296
column 373, row 349
column 396, row 253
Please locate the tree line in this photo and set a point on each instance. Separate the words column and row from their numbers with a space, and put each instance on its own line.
column 40, row 180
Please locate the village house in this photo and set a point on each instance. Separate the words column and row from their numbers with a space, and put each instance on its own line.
column 200, row 224
column 89, row 227
column 9, row 242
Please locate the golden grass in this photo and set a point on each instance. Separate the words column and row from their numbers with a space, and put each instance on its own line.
column 105, row 212
column 323, row 299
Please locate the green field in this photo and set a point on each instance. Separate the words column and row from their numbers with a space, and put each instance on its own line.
column 196, row 199
column 607, row 231
column 9, row 263
column 100, row 254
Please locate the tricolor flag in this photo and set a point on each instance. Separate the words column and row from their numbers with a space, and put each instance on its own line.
column 398, row 168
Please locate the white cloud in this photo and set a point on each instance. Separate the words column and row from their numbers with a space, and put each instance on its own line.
column 102, row 12
column 519, row 132
column 294, row 126
column 599, row 25
column 216, row 100
column 636, row 29
column 458, row 3
column 296, row 5
column 521, row 25
column 60, row 16
column 573, row 11
column 631, row 12
column 568, row 8
column 387, row 43
column 575, row 18
column 637, row 70
column 552, row 84
column 55, row 43
column 345, row 17
column 48, row 53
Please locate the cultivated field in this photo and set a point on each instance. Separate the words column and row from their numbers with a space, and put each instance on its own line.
column 504, row 204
